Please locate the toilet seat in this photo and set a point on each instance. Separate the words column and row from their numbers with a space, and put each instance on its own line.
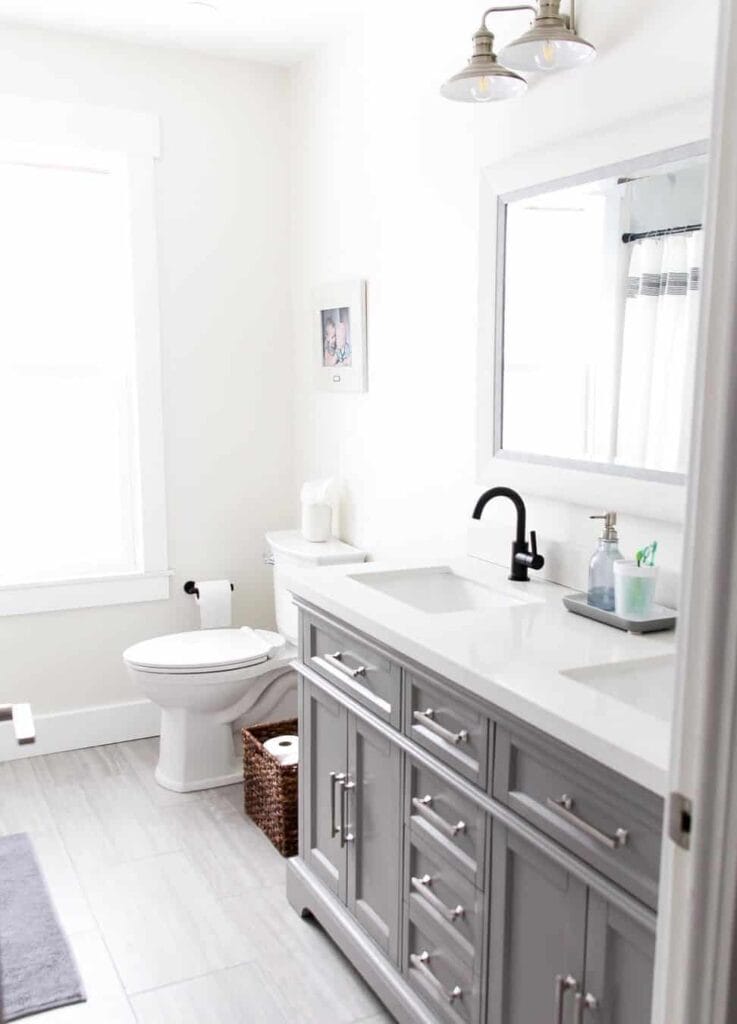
column 206, row 650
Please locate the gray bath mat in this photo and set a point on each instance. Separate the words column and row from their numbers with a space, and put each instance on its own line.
column 37, row 969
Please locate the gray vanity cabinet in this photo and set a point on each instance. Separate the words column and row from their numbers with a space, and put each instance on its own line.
column 324, row 742
column 373, row 821
column 538, row 928
column 474, row 869
column 558, row 950
column 620, row 962
column 351, row 813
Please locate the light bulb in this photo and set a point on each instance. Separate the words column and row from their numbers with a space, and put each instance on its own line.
column 546, row 57
column 481, row 89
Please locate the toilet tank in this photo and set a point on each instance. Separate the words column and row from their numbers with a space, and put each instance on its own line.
column 290, row 550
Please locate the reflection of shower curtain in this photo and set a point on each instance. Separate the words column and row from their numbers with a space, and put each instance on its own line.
column 658, row 352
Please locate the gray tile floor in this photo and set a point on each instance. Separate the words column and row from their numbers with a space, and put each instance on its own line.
column 174, row 903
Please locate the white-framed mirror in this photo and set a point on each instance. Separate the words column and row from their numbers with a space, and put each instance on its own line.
column 591, row 276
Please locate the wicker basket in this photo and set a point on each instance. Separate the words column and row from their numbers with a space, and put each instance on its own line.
column 270, row 787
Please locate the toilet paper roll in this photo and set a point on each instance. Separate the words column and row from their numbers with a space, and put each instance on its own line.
column 215, row 604
column 284, row 748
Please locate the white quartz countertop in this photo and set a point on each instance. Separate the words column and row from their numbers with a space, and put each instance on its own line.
column 615, row 706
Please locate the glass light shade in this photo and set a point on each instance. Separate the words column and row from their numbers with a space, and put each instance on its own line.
column 555, row 53
column 484, row 85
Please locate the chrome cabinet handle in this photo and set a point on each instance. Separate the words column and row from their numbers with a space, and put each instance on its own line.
column 423, row 807
column 563, row 984
column 581, row 1004
column 563, row 807
column 422, row 886
column 336, row 661
column 427, row 719
column 421, row 962
column 336, row 779
column 345, row 835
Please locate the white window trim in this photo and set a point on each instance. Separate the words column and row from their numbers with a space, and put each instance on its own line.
column 134, row 136
column 63, row 595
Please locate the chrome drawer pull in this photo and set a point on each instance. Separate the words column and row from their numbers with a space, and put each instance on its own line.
column 336, row 779
column 345, row 835
column 422, row 886
column 427, row 718
column 336, row 660
column 562, row 986
column 564, row 808
column 421, row 963
column 423, row 807
column 581, row 1004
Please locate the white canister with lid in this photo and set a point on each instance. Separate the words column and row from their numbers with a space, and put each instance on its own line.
column 317, row 522
column 317, row 499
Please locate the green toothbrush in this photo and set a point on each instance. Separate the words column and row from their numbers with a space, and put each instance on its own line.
column 646, row 556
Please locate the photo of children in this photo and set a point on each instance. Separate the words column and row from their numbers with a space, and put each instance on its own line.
column 336, row 337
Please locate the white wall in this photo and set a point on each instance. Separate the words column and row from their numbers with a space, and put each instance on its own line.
column 222, row 228
column 385, row 186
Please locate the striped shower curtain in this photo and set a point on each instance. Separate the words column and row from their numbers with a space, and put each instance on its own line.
column 658, row 352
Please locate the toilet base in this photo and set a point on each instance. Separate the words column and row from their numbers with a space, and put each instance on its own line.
column 195, row 752
column 177, row 786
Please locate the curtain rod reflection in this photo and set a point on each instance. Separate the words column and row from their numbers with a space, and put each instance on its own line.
column 634, row 236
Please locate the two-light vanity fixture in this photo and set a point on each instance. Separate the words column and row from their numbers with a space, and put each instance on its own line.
column 551, row 44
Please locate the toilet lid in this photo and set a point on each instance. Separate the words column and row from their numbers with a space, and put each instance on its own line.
column 200, row 649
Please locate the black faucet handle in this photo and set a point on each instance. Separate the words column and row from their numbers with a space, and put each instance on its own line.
column 530, row 559
column 536, row 561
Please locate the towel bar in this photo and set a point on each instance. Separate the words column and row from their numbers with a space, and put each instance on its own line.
column 22, row 718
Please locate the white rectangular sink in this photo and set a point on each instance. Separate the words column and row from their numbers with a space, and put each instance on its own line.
column 439, row 590
column 645, row 683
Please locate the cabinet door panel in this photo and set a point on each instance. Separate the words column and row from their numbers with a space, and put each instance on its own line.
column 324, row 740
column 373, row 823
column 620, row 961
column 538, row 927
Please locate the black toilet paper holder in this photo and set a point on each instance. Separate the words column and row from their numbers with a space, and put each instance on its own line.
column 190, row 587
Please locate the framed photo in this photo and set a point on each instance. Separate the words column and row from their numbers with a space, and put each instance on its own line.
column 340, row 336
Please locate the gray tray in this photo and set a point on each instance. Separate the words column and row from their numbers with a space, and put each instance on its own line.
column 661, row 618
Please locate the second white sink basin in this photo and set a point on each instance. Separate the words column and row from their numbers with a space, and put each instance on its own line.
column 645, row 683
column 438, row 590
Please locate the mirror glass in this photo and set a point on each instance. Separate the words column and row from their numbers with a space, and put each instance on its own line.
column 596, row 335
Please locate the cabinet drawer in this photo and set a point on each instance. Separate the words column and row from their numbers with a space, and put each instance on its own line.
column 355, row 667
column 451, row 729
column 433, row 887
column 447, row 985
column 451, row 824
column 602, row 817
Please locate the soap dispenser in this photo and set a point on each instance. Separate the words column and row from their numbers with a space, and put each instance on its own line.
column 601, row 567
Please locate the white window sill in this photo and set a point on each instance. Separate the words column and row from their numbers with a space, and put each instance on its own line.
column 62, row 595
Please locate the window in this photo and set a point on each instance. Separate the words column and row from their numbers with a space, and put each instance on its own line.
column 79, row 420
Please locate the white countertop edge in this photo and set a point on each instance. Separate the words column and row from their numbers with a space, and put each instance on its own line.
column 631, row 742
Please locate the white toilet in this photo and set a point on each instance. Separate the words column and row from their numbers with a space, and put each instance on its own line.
column 206, row 680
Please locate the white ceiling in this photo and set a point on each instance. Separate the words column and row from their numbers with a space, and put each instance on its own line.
column 282, row 31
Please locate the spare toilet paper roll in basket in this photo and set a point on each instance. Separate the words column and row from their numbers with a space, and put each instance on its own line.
column 284, row 748
column 215, row 603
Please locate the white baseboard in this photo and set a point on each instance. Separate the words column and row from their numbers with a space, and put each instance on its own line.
column 83, row 727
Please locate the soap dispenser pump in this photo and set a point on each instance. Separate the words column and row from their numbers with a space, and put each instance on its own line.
column 601, row 567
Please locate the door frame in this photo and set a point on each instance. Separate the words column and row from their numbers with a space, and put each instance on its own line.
column 696, row 977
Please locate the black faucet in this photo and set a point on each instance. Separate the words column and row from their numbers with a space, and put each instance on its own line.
column 522, row 557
